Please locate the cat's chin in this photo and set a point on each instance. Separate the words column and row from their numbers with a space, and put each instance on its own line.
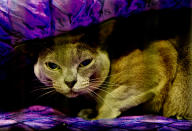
column 71, row 94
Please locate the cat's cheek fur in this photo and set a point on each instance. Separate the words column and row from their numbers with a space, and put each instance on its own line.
column 97, row 73
column 102, row 67
column 38, row 70
column 82, row 83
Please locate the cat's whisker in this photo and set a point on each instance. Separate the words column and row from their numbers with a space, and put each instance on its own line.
column 42, row 86
column 103, row 91
column 95, row 96
column 35, row 79
column 123, row 71
column 85, row 83
column 42, row 89
column 112, row 83
column 42, row 81
column 55, row 82
column 114, row 74
column 45, row 94
column 99, row 80
column 52, row 93
column 109, row 85
column 46, row 81
column 101, row 99
column 90, row 93
column 56, row 86
column 106, row 83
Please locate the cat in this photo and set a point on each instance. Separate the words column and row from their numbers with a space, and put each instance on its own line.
column 156, row 75
column 153, row 76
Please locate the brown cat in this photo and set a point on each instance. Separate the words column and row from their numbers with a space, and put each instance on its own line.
column 158, row 75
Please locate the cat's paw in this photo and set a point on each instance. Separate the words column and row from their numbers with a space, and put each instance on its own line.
column 180, row 117
column 184, row 117
column 87, row 114
column 107, row 114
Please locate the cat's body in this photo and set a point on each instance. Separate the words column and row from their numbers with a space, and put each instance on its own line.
column 156, row 75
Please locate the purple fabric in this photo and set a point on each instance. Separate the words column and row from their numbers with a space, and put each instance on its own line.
column 42, row 118
column 28, row 19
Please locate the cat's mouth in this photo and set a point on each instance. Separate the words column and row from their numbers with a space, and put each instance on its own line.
column 72, row 94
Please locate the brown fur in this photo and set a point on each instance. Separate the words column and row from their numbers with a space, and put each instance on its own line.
column 154, row 76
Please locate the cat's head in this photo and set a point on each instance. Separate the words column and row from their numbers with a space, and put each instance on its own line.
column 73, row 66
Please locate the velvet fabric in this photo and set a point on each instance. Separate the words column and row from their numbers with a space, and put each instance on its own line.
column 45, row 118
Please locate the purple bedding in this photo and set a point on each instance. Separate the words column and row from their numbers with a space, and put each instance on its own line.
column 43, row 118
column 28, row 19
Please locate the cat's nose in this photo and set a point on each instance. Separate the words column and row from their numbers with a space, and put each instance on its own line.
column 70, row 84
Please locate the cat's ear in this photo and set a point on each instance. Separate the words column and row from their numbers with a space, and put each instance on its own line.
column 32, row 48
column 96, row 35
column 105, row 30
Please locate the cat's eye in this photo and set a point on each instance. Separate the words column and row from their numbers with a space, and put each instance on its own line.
column 52, row 66
column 85, row 62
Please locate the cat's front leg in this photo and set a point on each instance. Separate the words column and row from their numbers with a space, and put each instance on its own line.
column 111, row 104
column 107, row 113
column 121, row 99
column 87, row 113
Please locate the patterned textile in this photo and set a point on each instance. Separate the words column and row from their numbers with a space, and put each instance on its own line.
column 28, row 19
column 40, row 18
column 44, row 118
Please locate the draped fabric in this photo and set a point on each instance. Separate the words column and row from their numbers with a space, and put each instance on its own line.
column 28, row 19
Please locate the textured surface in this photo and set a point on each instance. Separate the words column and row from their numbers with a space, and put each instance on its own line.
column 42, row 118
column 27, row 19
